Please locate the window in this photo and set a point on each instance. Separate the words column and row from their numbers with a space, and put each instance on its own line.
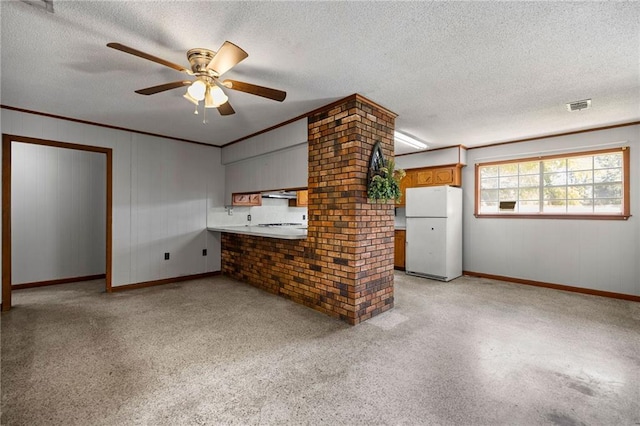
column 583, row 185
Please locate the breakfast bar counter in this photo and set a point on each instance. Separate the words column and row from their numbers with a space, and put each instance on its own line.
column 295, row 232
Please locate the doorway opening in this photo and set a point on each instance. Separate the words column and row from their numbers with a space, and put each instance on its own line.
column 6, row 208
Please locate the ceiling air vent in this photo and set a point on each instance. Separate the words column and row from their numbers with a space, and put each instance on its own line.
column 41, row 4
column 579, row 105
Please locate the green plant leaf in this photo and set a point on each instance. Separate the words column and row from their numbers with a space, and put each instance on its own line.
column 385, row 185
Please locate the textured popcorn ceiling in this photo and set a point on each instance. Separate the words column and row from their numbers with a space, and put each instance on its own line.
column 455, row 73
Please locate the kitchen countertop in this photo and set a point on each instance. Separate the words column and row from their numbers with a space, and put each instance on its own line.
column 296, row 232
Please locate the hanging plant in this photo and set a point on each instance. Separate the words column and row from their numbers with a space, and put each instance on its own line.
column 384, row 183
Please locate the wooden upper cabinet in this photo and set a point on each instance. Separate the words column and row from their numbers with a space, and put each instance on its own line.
column 435, row 176
column 302, row 199
column 247, row 199
column 430, row 176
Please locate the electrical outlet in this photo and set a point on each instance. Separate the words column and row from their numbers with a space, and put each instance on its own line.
column 166, row 256
column 204, row 252
column 249, row 217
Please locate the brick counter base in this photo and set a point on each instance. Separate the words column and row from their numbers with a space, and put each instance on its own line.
column 291, row 269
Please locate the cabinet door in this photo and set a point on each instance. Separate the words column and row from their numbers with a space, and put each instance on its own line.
column 443, row 176
column 424, row 178
column 255, row 199
column 302, row 198
column 406, row 182
column 399, row 259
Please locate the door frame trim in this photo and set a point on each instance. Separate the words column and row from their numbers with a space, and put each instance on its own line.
column 6, row 206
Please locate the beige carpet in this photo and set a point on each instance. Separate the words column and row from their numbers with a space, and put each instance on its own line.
column 216, row 351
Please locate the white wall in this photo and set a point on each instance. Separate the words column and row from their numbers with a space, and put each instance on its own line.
column 593, row 254
column 279, row 138
column 272, row 210
column 162, row 190
column 58, row 213
column 277, row 159
column 440, row 157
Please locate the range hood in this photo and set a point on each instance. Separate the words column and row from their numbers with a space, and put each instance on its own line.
column 282, row 194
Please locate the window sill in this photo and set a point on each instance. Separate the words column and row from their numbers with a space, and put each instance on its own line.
column 554, row 216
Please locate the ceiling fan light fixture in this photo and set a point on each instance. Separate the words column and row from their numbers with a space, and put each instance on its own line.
column 190, row 98
column 197, row 90
column 216, row 97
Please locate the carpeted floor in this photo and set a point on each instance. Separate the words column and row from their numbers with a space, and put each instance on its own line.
column 215, row 351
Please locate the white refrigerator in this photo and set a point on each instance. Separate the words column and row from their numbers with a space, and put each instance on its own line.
column 434, row 232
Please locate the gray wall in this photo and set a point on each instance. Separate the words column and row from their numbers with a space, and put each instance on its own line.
column 273, row 160
column 440, row 157
column 162, row 190
column 593, row 254
column 58, row 213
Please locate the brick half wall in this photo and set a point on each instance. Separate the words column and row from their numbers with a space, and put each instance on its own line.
column 291, row 269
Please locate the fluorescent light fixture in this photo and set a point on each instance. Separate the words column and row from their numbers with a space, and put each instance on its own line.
column 409, row 140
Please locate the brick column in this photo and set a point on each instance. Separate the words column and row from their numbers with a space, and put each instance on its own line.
column 351, row 238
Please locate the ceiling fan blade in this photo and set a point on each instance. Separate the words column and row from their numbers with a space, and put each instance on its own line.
column 226, row 109
column 227, row 57
column 265, row 92
column 135, row 52
column 163, row 87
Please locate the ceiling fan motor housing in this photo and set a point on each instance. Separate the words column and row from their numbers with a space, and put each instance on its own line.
column 199, row 58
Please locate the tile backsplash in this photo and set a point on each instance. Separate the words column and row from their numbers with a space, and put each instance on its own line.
column 271, row 211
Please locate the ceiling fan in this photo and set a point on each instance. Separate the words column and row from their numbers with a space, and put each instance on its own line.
column 207, row 66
